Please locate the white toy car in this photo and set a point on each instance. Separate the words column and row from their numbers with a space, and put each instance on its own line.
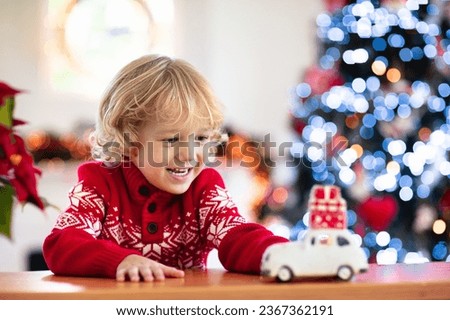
column 321, row 252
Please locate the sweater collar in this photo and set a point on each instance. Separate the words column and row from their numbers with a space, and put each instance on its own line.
column 138, row 185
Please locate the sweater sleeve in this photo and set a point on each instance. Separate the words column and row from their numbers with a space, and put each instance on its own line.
column 217, row 212
column 242, row 248
column 240, row 244
column 73, row 247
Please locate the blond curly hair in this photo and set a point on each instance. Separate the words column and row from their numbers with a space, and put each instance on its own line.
column 152, row 89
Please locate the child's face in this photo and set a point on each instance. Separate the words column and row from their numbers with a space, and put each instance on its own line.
column 171, row 158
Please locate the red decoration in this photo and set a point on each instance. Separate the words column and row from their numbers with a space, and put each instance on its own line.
column 322, row 80
column 444, row 202
column 378, row 212
column 298, row 125
column 327, row 209
column 333, row 5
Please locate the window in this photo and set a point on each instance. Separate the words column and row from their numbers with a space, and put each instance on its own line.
column 325, row 239
column 88, row 41
column 342, row 241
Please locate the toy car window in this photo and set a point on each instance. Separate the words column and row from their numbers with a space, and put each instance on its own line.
column 342, row 241
column 313, row 240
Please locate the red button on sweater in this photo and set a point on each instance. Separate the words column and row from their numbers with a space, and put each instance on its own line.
column 110, row 217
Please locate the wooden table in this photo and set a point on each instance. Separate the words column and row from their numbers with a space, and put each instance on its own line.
column 399, row 281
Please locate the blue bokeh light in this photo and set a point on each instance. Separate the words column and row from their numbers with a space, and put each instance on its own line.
column 396, row 243
column 423, row 191
column 430, row 51
column 303, row 90
column 351, row 218
column 366, row 133
column 406, row 54
column 417, row 53
column 440, row 251
column 373, row 84
column 444, row 90
column 405, row 181
column 334, row 53
column 323, row 20
column 370, row 239
column 396, row 41
column 404, row 111
column 379, row 44
column 369, row 120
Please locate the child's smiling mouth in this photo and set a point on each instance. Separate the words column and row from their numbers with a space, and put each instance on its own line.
column 179, row 172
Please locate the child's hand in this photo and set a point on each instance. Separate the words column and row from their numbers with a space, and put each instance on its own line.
column 137, row 267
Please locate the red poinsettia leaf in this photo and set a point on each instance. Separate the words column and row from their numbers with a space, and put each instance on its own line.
column 24, row 195
column 17, row 122
column 37, row 171
column 20, row 161
column 5, row 166
column 25, row 171
column 7, row 91
column 20, row 190
column 6, row 141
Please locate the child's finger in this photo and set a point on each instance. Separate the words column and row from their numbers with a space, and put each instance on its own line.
column 120, row 275
column 146, row 274
column 158, row 272
column 133, row 274
column 173, row 272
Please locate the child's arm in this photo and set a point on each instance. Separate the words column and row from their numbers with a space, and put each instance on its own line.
column 73, row 247
column 240, row 244
column 72, row 251
column 94, row 257
column 242, row 248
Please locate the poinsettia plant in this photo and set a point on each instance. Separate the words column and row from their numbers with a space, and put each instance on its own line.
column 18, row 174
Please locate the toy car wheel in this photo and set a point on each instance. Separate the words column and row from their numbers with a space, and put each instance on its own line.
column 345, row 273
column 284, row 274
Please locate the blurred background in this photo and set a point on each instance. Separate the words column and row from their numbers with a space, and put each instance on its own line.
column 365, row 80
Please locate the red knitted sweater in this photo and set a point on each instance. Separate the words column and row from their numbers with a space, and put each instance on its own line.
column 115, row 212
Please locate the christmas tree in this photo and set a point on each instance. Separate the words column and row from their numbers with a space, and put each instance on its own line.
column 372, row 116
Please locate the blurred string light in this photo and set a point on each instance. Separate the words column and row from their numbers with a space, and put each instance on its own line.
column 380, row 109
column 391, row 250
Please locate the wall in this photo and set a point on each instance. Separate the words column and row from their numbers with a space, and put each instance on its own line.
column 253, row 52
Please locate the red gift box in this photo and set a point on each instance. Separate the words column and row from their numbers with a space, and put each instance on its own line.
column 327, row 209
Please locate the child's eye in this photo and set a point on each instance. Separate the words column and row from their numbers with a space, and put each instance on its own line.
column 171, row 141
column 202, row 138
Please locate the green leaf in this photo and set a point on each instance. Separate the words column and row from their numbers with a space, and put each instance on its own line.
column 6, row 205
column 6, row 113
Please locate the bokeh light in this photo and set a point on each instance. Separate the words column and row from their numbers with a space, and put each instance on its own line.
column 392, row 105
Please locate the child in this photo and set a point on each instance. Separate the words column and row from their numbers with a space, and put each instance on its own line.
column 149, row 208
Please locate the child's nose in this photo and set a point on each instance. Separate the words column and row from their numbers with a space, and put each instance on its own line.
column 188, row 151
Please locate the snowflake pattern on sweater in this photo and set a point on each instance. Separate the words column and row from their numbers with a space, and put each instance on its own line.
column 180, row 239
